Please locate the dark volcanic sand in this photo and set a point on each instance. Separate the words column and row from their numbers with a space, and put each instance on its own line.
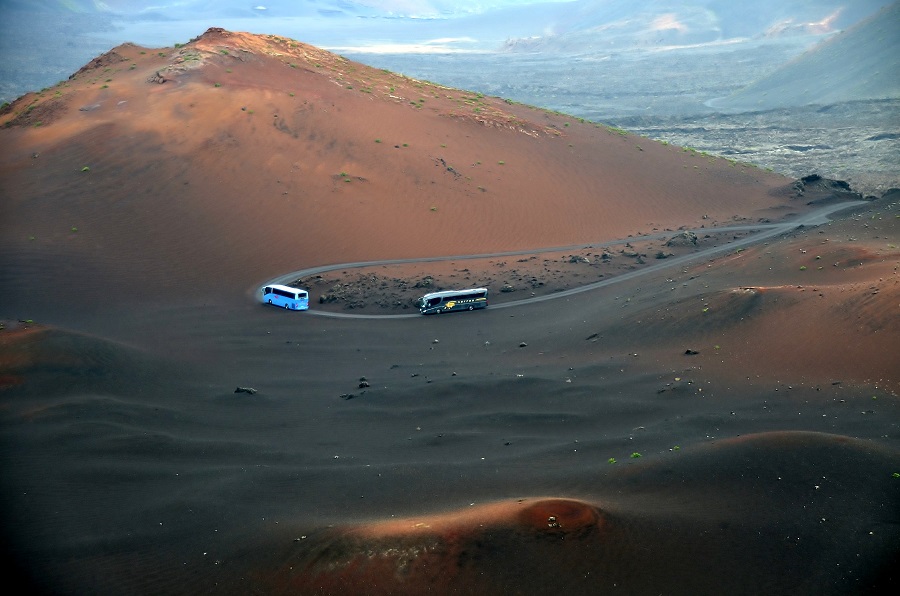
column 132, row 466
column 569, row 446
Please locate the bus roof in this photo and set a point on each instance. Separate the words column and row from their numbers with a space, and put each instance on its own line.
column 454, row 293
column 285, row 288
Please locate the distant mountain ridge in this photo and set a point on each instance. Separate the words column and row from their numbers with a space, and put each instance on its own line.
column 590, row 25
column 81, row 29
column 548, row 18
column 860, row 64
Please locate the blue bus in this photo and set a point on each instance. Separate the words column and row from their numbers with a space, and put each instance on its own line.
column 286, row 297
column 450, row 300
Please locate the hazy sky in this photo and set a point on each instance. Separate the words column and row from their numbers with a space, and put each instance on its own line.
column 425, row 7
column 412, row 8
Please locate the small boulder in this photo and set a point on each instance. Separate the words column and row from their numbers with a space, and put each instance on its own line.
column 683, row 239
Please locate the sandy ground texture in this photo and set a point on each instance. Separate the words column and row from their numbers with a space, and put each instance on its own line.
column 724, row 426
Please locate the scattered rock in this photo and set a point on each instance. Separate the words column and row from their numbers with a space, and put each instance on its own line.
column 363, row 384
column 690, row 352
column 884, row 136
column 683, row 239
column 448, row 167
column 803, row 148
column 158, row 78
column 523, row 345
column 249, row 390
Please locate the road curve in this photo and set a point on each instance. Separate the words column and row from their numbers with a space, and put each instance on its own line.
column 764, row 232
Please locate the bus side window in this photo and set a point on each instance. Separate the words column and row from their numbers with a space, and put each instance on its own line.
column 267, row 290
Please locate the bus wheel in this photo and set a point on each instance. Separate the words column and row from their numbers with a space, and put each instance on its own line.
column 287, row 306
column 270, row 301
column 471, row 308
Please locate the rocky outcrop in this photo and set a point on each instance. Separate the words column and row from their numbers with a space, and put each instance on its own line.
column 817, row 190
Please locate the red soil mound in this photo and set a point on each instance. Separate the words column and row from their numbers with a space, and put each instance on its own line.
column 695, row 511
column 13, row 357
column 441, row 553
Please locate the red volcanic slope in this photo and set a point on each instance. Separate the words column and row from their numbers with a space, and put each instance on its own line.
column 257, row 155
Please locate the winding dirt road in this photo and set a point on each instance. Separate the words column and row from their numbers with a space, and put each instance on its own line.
column 764, row 232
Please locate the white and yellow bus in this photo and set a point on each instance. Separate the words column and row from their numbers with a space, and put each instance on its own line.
column 450, row 300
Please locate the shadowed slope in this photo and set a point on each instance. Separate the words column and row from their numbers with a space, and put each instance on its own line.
column 162, row 495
